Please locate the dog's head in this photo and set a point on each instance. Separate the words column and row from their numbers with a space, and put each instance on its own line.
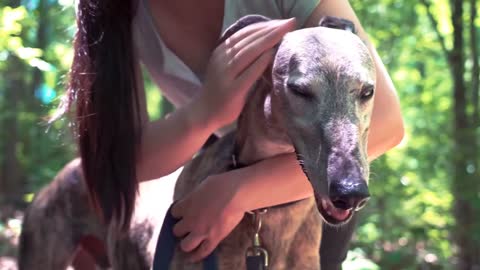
column 324, row 84
column 323, row 89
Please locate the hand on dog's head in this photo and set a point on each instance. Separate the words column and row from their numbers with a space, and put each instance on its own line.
column 327, row 21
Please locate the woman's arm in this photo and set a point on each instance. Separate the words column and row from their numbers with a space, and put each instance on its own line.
column 270, row 182
column 233, row 68
column 168, row 143
column 212, row 210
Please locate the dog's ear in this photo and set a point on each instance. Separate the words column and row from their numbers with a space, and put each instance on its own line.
column 337, row 23
column 241, row 23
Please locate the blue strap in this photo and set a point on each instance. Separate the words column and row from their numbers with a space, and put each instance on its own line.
column 166, row 246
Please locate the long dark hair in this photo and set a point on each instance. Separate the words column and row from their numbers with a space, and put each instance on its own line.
column 102, row 95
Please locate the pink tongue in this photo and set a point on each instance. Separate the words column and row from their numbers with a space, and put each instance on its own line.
column 336, row 213
column 339, row 214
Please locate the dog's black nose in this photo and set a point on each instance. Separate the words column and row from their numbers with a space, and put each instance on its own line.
column 349, row 194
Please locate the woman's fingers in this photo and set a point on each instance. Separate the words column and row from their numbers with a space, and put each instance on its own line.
column 178, row 209
column 244, row 32
column 208, row 216
column 181, row 228
column 234, row 60
column 255, row 70
column 190, row 242
column 205, row 248
column 241, row 39
column 210, row 243
column 231, row 44
column 252, row 46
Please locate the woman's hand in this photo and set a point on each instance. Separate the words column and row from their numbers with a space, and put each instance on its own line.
column 208, row 214
column 234, row 67
column 211, row 211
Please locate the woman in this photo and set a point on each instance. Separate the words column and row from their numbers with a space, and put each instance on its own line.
column 177, row 42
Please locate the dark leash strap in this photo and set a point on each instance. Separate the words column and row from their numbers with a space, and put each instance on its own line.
column 167, row 243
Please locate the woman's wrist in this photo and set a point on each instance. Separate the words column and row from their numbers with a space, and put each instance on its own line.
column 170, row 142
column 200, row 116
column 231, row 184
column 270, row 182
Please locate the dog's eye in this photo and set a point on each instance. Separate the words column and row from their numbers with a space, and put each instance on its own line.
column 367, row 93
column 299, row 90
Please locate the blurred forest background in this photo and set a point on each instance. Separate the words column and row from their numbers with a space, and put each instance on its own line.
column 425, row 210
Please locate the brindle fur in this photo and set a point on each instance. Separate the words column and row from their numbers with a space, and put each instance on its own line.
column 308, row 104
column 57, row 221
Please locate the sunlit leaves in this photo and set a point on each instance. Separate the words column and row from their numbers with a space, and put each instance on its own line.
column 10, row 19
column 11, row 42
column 154, row 98
column 357, row 260
column 41, row 150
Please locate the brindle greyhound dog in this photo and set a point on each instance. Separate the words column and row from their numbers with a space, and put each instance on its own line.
column 316, row 101
column 317, row 104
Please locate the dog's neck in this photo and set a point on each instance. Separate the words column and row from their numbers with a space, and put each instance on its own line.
column 260, row 134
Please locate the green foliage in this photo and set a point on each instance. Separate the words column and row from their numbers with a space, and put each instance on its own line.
column 42, row 68
column 356, row 260
column 35, row 75
column 408, row 222
column 154, row 99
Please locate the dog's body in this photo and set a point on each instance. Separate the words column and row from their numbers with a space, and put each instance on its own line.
column 60, row 223
column 291, row 233
column 53, row 226
column 315, row 105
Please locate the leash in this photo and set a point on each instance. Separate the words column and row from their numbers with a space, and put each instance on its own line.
column 167, row 242
column 256, row 257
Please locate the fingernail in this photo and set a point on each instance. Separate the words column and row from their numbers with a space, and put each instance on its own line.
column 283, row 22
column 286, row 21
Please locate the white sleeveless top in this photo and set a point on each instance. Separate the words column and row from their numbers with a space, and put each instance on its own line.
column 177, row 81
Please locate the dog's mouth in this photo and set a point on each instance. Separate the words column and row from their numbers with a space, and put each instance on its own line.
column 332, row 215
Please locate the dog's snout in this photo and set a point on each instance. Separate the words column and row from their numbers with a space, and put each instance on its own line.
column 349, row 194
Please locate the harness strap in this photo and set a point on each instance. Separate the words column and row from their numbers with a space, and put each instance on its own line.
column 167, row 243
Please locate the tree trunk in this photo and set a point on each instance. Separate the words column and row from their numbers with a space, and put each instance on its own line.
column 10, row 178
column 464, row 187
column 475, row 65
column 16, row 85
column 41, row 43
